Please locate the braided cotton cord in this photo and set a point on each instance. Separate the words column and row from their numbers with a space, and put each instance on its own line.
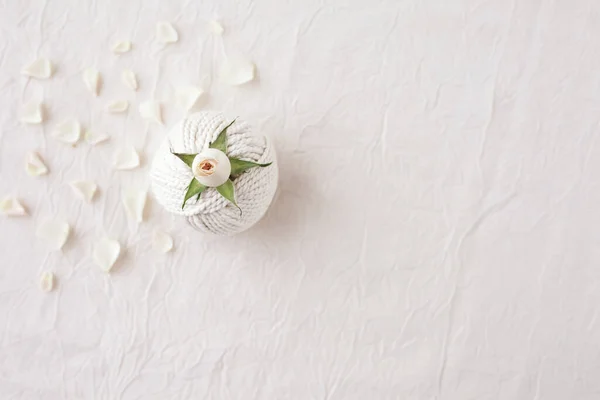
column 254, row 189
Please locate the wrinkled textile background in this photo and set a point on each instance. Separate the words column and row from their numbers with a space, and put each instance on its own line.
column 435, row 235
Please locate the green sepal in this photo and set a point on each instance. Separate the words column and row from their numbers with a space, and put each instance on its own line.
column 239, row 166
column 226, row 190
column 188, row 159
column 220, row 142
column 194, row 188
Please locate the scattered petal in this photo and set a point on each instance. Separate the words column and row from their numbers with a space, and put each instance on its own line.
column 121, row 47
column 165, row 33
column 129, row 79
column 118, row 106
column 215, row 28
column 150, row 110
column 32, row 113
column 126, row 158
column 85, row 190
column 187, row 97
column 162, row 242
column 94, row 138
column 91, row 78
column 237, row 72
column 54, row 232
column 105, row 253
column 40, row 69
column 34, row 165
column 12, row 207
column 134, row 202
column 47, row 281
column 67, row 132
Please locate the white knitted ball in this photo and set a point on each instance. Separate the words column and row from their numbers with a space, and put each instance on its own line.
column 254, row 189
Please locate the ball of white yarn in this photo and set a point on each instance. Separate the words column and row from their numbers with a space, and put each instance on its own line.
column 254, row 189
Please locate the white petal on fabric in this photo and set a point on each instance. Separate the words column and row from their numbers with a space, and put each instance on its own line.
column 34, row 166
column 126, row 158
column 39, row 69
column 54, row 233
column 105, row 253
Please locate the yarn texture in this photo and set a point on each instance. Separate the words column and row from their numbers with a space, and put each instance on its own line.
column 254, row 189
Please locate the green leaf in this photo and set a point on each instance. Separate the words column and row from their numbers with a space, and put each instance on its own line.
column 239, row 166
column 220, row 142
column 226, row 190
column 194, row 188
column 188, row 159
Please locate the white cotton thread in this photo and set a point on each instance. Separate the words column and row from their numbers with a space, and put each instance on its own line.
column 254, row 189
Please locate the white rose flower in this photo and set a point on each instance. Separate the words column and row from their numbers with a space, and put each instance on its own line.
column 211, row 167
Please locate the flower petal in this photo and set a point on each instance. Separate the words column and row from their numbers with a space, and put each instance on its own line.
column 162, row 242
column 31, row 113
column 129, row 79
column 47, row 281
column 150, row 110
column 54, row 232
column 121, row 47
column 12, row 207
column 118, row 106
column 134, row 202
column 91, row 78
column 40, row 69
column 106, row 252
column 215, row 27
column 165, row 33
column 85, row 190
column 126, row 158
column 94, row 138
column 67, row 132
column 187, row 97
column 237, row 72
column 34, row 166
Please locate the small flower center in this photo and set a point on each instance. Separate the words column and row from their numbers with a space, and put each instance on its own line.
column 207, row 167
